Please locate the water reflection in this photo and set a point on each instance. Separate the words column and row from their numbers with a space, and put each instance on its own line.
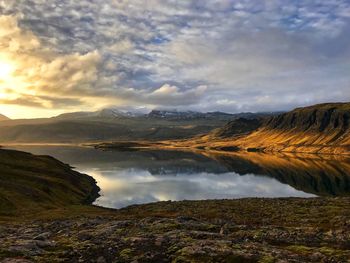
column 132, row 186
column 145, row 176
column 325, row 175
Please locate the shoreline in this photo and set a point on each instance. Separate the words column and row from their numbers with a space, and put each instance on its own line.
column 172, row 146
column 169, row 145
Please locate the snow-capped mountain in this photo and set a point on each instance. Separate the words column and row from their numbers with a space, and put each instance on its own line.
column 104, row 113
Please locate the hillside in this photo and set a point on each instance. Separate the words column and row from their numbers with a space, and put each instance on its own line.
column 34, row 183
column 322, row 128
column 235, row 127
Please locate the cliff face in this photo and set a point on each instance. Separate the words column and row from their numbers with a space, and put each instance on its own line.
column 239, row 126
column 323, row 118
column 322, row 128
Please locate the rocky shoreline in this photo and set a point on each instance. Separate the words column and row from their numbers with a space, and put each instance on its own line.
column 245, row 230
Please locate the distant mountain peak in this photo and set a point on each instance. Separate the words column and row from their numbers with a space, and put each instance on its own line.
column 189, row 115
column 103, row 113
column 115, row 112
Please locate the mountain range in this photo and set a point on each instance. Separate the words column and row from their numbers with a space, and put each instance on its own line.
column 115, row 124
column 322, row 128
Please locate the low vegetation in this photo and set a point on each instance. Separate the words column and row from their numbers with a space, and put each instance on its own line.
column 246, row 230
column 30, row 183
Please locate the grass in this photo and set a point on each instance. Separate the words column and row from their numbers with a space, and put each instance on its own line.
column 30, row 183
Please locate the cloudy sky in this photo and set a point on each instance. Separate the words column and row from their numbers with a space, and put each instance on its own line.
column 251, row 55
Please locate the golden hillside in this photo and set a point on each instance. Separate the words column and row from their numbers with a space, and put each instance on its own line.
column 322, row 128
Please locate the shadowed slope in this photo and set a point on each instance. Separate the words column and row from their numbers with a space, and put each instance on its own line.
column 32, row 183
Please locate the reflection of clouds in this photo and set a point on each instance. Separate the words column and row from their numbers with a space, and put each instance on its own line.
column 140, row 177
column 134, row 186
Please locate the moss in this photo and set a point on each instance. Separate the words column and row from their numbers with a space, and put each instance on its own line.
column 300, row 249
column 126, row 253
column 332, row 251
column 267, row 259
column 9, row 254
column 179, row 259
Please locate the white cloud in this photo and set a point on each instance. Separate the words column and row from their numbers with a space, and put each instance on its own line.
column 40, row 75
column 160, row 52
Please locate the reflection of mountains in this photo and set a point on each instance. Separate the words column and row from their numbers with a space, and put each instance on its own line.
column 323, row 176
column 156, row 162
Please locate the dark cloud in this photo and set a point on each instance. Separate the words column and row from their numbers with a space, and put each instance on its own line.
column 42, row 101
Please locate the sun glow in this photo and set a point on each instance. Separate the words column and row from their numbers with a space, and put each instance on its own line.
column 6, row 78
column 6, row 70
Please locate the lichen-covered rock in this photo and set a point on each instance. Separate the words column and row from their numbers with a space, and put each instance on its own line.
column 247, row 230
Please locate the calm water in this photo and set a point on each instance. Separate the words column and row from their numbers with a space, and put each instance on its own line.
column 138, row 177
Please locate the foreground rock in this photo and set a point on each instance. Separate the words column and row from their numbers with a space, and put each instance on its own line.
column 247, row 230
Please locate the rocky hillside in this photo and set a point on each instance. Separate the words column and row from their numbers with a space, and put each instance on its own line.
column 321, row 118
column 30, row 183
column 239, row 126
column 322, row 128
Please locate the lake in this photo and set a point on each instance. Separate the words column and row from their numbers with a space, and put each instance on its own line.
column 137, row 177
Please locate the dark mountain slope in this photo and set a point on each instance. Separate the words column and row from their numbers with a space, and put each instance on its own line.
column 318, row 118
column 34, row 183
column 239, row 126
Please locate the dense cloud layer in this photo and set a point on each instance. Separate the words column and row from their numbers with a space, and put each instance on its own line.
column 203, row 55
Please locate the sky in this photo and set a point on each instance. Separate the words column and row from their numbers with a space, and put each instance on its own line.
column 218, row 55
